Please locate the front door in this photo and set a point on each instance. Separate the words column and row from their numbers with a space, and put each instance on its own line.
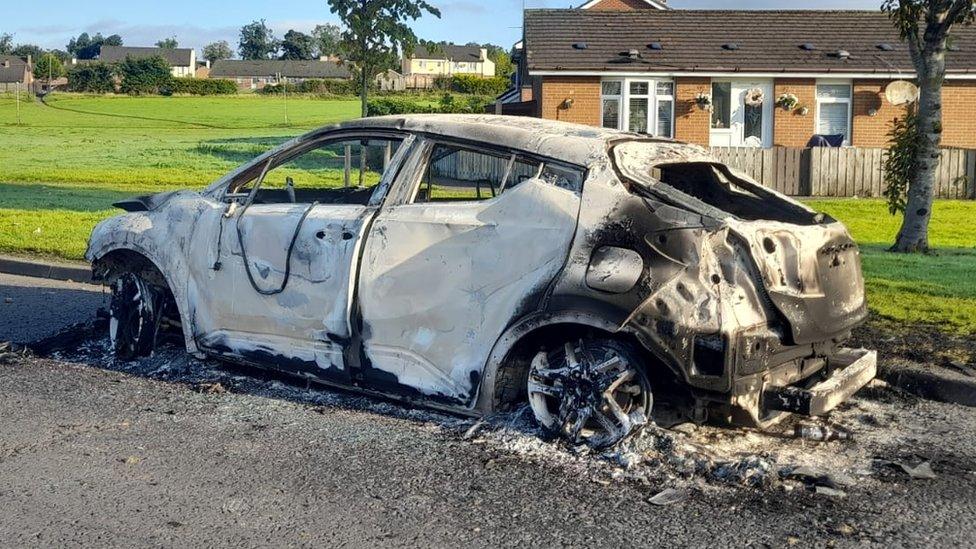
column 475, row 242
column 280, row 289
column 742, row 113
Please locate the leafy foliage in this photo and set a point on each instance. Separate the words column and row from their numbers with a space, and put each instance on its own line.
column 376, row 32
column 91, row 78
column 901, row 160
column 150, row 75
column 258, row 41
column 23, row 50
column 297, row 45
column 6, row 43
column 203, row 86
column 170, row 43
column 473, row 84
column 88, row 47
column 48, row 66
column 447, row 104
column 317, row 87
column 215, row 51
column 327, row 38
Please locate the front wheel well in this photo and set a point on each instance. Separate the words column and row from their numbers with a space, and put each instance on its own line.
column 113, row 264
column 510, row 379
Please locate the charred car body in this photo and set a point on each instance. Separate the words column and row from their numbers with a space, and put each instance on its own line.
column 475, row 263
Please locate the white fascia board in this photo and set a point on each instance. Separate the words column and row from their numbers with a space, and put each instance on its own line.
column 672, row 74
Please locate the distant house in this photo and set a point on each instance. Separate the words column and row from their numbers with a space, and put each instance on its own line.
column 15, row 72
column 256, row 74
column 183, row 61
column 448, row 60
column 203, row 69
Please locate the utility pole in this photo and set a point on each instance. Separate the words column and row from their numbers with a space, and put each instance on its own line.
column 284, row 92
column 17, row 94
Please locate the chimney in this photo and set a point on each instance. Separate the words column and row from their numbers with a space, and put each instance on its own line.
column 484, row 54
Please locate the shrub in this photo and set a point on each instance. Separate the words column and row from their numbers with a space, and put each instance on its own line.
column 475, row 85
column 316, row 86
column 91, row 78
column 145, row 76
column 204, row 86
column 408, row 105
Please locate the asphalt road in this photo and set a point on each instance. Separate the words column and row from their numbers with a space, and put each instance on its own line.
column 33, row 308
column 174, row 452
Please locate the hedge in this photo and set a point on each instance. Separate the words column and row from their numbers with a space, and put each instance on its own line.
column 316, row 86
column 448, row 104
column 475, row 85
column 91, row 78
column 204, row 86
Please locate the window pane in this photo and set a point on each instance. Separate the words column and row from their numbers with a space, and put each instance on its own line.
column 665, row 88
column 639, row 88
column 611, row 113
column 320, row 175
column 722, row 104
column 833, row 91
column 665, row 110
column 638, row 115
column 753, row 122
column 456, row 174
column 833, row 119
column 611, row 88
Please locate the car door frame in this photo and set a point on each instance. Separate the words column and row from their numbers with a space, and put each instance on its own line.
column 403, row 194
column 265, row 354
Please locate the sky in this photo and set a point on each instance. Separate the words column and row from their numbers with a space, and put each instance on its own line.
column 196, row 23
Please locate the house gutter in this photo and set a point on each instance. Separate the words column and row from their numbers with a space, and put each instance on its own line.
column 736, row 74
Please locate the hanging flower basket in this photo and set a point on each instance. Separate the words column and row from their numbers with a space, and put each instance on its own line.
column 803, row 110
column 755, row 97
column 704, row 101
column 787, row 101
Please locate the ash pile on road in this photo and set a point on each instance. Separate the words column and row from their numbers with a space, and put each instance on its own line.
column 879, row 422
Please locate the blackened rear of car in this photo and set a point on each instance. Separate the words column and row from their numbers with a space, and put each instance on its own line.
column 751, row 295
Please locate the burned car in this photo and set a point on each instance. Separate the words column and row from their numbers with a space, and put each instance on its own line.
column 481, row 263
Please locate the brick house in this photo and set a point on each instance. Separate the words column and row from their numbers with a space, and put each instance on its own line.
column 632, row 65
column 16, row 73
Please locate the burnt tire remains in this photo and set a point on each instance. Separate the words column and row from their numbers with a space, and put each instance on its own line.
column 590, row 392
column 136, row 314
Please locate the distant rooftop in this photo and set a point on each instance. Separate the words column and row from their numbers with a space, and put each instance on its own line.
column 260, row 68
column 449, row 52
column 177, row 57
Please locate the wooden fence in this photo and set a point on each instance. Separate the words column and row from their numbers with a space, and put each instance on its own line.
column 842, row 172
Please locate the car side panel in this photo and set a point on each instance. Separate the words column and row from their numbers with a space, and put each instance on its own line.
column 440, row 282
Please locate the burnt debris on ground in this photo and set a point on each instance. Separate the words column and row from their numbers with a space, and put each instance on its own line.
column 873, row 438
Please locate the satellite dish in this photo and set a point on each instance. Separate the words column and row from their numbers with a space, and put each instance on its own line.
column 901, row 92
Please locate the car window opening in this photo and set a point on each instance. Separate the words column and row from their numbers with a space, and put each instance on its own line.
column 716, row 186
column 335, row 172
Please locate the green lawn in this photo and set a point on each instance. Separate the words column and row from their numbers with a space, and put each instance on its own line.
column 62, row 168
column 937, row 289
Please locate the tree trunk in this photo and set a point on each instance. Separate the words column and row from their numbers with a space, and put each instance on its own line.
column 363, row 93
column 913, row 237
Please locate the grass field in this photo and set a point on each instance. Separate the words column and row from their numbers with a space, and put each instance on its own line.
column 66, row 163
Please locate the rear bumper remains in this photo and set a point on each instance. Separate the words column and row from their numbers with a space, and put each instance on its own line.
column 851, row 369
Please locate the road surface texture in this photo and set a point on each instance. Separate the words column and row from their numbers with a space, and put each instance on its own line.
column 32, row 308
column 171, row 451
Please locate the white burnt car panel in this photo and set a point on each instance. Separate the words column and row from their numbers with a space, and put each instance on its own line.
column 476, row 263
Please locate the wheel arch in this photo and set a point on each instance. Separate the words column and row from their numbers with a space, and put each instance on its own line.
column 509, row 354
column 112, row 258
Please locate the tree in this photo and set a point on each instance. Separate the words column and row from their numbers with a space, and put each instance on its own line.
column 215, row 51
column 88, row 47
column 376, row 32
column 170, row 43
column 94, row 77
column 48, row 67
column 297, row 45
column 146, row 75
column 6, row 43
column 926, row 26
column 327, row 38
column 23, row 50
column 257, row 41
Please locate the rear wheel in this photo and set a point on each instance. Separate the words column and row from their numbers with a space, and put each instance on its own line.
column 136, row 313
column 591, row 391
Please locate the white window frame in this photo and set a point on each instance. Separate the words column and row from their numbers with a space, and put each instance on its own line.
column 652, row 106
column 849, row 100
